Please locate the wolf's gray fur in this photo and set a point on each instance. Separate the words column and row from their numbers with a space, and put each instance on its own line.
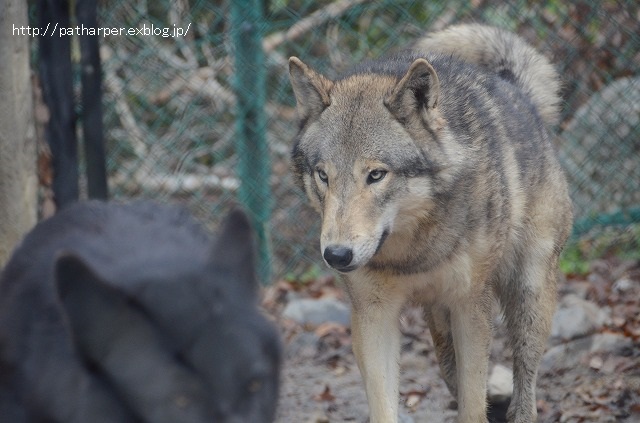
column 500, row 52
column 436, row 181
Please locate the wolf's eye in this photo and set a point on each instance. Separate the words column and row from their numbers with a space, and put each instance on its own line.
column 376, row 176
column 322, row 175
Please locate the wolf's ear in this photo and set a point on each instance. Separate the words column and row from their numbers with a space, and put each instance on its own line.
column 419, row 89
column 310, row 88
column 232, row 255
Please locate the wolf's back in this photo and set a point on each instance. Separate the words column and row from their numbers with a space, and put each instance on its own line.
column 507, row 55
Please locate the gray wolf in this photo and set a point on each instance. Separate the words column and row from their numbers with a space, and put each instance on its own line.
column 133, row 313
column 436, row 182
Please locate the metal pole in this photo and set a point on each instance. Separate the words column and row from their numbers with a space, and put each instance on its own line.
column 57, row 88
column 91, row 74
column 247, row 25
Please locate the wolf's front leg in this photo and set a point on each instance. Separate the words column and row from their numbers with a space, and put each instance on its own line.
column 376, row 345
column 471, row 330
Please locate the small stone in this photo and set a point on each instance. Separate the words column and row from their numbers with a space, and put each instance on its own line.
column 405, row 418
column 500, row 385
column 319, row 417
column 413, row 400
column 622, row 285
column 596, row 362
column 315, row 312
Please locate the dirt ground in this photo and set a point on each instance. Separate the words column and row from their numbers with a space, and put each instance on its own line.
column 321, row 382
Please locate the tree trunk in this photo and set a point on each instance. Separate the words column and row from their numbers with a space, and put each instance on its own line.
column 18, row 178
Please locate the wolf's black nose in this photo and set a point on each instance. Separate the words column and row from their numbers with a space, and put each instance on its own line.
column 338, row 256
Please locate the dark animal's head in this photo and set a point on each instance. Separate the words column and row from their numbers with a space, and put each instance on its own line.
column 184, row 347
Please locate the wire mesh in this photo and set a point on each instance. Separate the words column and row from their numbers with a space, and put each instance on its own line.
column 170, row 101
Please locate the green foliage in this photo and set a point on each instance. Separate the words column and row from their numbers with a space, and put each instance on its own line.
column 573, row 260
column 623, row 243
column 312, row 273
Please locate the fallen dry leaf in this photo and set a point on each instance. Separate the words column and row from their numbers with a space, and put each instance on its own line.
column 325, row 396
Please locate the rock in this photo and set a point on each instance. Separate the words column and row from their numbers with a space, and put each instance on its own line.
column 500, row 385
column 599, row 149
column 565, row 356
column 576, row 318
column 315, row 312
column 571, row 354
column 303, row 346
column 610, row 343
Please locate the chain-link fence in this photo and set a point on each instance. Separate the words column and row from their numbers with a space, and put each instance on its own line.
column 171, row 97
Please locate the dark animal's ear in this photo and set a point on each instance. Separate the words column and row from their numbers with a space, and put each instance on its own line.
column 75, row 280
column 116, row 335
column 417, row 91
column 87, row 301
column 310, row 88
column 232, row 255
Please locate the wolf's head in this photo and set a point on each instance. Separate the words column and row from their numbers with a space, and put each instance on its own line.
column 370, row 153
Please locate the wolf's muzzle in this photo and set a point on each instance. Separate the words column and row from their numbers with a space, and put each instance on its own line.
column 338, row 257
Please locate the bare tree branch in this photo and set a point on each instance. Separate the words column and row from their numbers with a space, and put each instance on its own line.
column 317, row 18
column 173, row 183
column 115, row 87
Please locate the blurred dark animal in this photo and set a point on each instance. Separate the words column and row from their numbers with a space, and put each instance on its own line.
column 131, row 313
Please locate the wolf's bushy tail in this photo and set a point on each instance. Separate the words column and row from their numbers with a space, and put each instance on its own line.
column 506, row 54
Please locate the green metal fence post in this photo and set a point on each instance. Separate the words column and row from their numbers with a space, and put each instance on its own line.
column 253, row 155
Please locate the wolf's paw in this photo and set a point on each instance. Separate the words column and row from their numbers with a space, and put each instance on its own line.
column 520, row 416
